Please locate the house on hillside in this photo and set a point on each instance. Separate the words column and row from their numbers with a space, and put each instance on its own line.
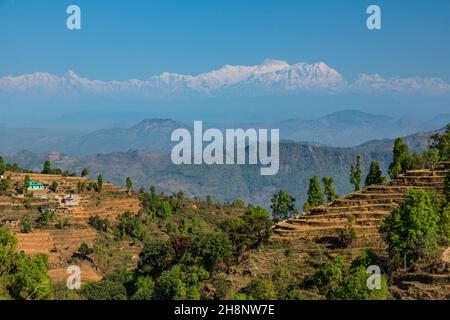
column 33, row 186
column 70, row 200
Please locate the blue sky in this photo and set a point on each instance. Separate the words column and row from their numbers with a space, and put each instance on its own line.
column 136, row 39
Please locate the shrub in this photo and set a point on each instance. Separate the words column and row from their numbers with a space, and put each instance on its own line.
column 354, row 287
column 328, row 277
column 260, row 290
column 104, row 290
column 145, row 288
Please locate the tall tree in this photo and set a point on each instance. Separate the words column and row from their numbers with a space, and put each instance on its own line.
column 315, row 194
column 129, row 184
column 99, row 183
column 375, row 175
column 442, row 144
column 26, row 183
column 2, row 166
column 400, row 153
column 447, row 187
column 356, row 174
column 47, row 167
column 85, row 172
column 329, row 189
column 283, row 206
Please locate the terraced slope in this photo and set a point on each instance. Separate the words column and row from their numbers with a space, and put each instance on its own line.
column 60, row 244
column 368, row 206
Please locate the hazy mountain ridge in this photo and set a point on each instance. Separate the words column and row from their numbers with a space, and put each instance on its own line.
column 348, row 128
column 298, row 163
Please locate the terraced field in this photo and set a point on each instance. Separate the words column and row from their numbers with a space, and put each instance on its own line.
column 368, row 207
column 60, row 244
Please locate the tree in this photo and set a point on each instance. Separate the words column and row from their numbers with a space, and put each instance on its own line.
column 212, row 248
column 165, row 209
column 354, row 287
column 2, row 166
column 30, row 279
column 26, row 183
column 54, row 186
column 431, row 158
column 45, row 217
column 447, row 187
column 183, row 227
column 315, row 194
column 329, row 189
column 145, row 288
column 375, row 175
column 47, row 167
column 84, row 251
column 260, row 290
column 99, row 224
column 99, row 183
column 209, row 200
column 104, row 290
column 130, row 225
column 400, row 151
column 85, row 172
column 329, row 277
column 283, row 206
column 155, row 257
column 356, row 174
column 129, row 184
column 412, row 230
column 8, row 244
column 441, row 143
column 179, row 284
column 347, row 235
column 248, row 231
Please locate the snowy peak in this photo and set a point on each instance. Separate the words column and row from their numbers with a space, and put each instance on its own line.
column 270, row 77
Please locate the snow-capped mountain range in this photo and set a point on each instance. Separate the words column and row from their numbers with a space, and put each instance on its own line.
column 272, row 77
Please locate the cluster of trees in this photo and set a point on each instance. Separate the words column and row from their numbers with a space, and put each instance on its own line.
column 375, row 175
column 160, row 206
column 9, row 167
column 98, row 187
column 21, row 277
column 49, row 170
column 180, row 267
column 417, row 228
column 316, row 195
column 403, row 160
column 336, row 283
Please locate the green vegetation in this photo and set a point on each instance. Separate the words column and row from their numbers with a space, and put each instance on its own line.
column 337, row 283
column 375, row 175
column 441, row 143
column 416, row 229
column 283, row 206
column 85, row 172
column 329, row 191
column 99, row 186
column 99, row 224
column 403, row 160
column 356, row 174
column 45, row 217
column 54, row 186
column 129, row 184
column 315, row 194
column 23, row 277
column 348, row 235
